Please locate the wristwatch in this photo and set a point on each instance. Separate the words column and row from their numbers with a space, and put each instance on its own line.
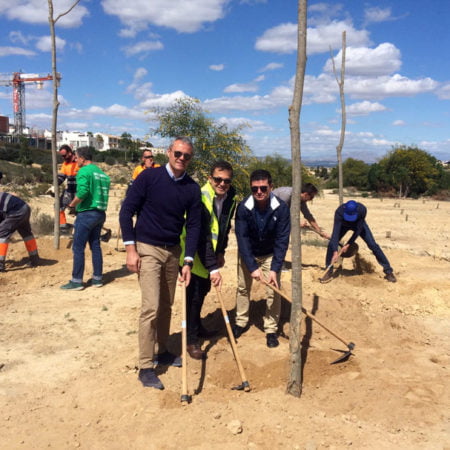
column 189, row 263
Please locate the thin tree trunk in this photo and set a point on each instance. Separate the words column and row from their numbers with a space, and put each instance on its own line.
column 56, row 77
column 294, row 385
column 51, row 22
column 339, row 147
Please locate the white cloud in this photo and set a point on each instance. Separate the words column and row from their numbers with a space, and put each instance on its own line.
column 283, row 38
column 252, row 86
column 398, row 123
column 271, row 66
column 235, row 122
column 393, row 86
column 364, row 108
column 138, row 14
column 17, row 37
column 36, row 12
column 382, row 60
column 444, row 92
column 8, row 51
column 217, row 67
column 142, row 47
column 44, row 43
column 376, row 14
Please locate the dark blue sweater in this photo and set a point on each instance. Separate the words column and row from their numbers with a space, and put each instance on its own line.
column 271, row 238
column 163, row 205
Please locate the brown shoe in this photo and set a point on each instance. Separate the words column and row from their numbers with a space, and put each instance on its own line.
column 390, row 277
column 327, row 277
column 195, row 351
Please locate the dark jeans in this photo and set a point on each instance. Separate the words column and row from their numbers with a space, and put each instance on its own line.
column 367, row 237
column 195, row 295
column 88, row 225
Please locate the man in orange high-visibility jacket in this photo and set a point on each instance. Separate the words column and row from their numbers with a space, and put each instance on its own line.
column 68, row 171
column 15, row 216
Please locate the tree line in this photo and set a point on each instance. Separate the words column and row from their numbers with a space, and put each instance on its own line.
column 403, row 172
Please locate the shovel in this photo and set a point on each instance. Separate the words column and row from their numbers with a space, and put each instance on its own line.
column 185, row 397
column 245, row 386
column 350, row 345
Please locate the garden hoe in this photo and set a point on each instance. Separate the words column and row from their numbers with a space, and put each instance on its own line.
column 245, row 386
column 350, row 345
column 185, row 397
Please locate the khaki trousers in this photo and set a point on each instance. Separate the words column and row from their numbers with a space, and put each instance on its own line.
column 273, row 303
column 157, row 278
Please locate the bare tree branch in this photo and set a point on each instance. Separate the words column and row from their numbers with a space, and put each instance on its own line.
column 67, row 12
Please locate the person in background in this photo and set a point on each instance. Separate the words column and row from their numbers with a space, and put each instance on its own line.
column 68, row 172
column 165, row 199
column 262, row 229
column 147, row 162
column 15, row 216
column 219, row 205
column 351, row 216
column 309, row 191
column 90, row 202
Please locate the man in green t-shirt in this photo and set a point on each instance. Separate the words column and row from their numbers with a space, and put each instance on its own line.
column 90, row 203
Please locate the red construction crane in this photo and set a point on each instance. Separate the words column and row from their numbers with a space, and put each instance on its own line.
column 17, row 80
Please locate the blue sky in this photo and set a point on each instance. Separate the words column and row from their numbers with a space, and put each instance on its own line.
column 118, row 60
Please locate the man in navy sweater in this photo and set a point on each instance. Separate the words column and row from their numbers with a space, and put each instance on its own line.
column 351, row 216
column 262, row 229
column 165, row 199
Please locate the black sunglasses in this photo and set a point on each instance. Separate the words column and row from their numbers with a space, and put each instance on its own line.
column 148, row 157
column 178, row 155
column 219, row 180
column 263, row 189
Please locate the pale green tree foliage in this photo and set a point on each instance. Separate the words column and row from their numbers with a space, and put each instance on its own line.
column 212, row 140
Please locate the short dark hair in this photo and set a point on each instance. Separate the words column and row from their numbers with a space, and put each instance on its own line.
column 66, row 148
column 310, row 189
column 185, row 139
column 85, row 152
column 260, row 174
column 221, row 165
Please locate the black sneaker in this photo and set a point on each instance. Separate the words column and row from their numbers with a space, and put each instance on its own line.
column 2, row 266
column 272, row 340
column 149, row 378
column 105, row 237
column 390, row 277
column 34, row 261
column 237, row 331
column 167, row 359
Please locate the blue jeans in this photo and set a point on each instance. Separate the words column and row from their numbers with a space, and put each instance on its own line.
column 88, row 226
column 367, row 236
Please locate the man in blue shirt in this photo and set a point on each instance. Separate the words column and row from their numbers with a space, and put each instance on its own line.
column 164, row 199
column 351, row 216
column 262, row 229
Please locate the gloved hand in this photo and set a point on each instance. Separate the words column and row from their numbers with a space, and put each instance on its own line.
column 50, row 191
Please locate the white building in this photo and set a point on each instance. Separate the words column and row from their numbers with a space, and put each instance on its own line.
column 76, row 139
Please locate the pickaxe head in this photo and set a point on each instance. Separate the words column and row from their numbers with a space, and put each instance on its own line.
column 245, row 386
column 346, row 353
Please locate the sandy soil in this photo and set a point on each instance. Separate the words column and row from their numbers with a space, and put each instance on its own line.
column 68, row 359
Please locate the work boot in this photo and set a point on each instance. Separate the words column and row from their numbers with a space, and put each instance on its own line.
column 195, row 351
column 34, row 260
column 237, row 331
column 105, row 237
column 272, row 340
column 149, row 378
column 2, row 266
column 390, row 277
column 327, row 277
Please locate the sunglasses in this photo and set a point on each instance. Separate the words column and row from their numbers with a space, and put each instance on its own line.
column 178, row 155
column 219, row 180
column 262, row 188
column 148, row 157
